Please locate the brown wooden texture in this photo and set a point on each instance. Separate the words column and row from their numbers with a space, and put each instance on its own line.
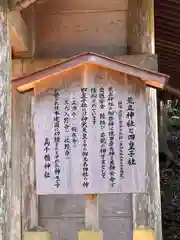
column 19, row 32
column 29, row 206
column 29, row 16
column 24, row 201
column 146, row 208
column 75, row 27
column 140, row 27
column 5, row 123
column 79, row 5
column 16, row 170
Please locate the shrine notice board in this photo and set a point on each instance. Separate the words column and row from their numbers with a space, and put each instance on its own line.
column 90, row 140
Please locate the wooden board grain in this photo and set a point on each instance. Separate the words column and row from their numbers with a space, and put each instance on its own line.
column 29, row 205
column 16, row 169
column 67, row 5
column 107, row 168
column 71, row 34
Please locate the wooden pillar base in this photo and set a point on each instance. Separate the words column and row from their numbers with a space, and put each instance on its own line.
column 90, row 235
column 143, row 234
column 37, row 236
column 91, row 212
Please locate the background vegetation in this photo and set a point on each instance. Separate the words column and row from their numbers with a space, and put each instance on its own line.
column 170, row 172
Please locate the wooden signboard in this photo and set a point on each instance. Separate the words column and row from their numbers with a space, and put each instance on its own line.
column 90, row 139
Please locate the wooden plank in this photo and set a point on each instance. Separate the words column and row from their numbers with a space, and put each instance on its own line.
column 29, row 208
column 92, row 212
column 28, row 14
column 71, row 34
column 24, row 202
column 16, row 169
column 64, row 206
column 146, row 208
column 17, row 68
column 79, row 5
column 100, row 179
column 112, row 228
column 5, row 124
column 19, row 32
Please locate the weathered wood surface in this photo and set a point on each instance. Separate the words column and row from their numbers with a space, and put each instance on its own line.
column 140, row 27
column 140, row 39
column 19, row 32
column 29, row 208
column 16, row 169
column 24, row 201
column 147, row 208
column 79, row 5
column 92, row 212
column 28, row 14
column 70, row 211
column 100, row 178
column 114, row 209
column 75, row 27
column 5, row 122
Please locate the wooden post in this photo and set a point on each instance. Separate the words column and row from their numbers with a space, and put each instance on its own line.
column 5, row 122
column 29, row 204
column 16, row 200
column 140, row 39
column 92, row 212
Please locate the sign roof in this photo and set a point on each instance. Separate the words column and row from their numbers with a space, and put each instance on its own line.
column 151, row 78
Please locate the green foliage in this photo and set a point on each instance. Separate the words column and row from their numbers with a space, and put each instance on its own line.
column 170, row 174
column 173, row 112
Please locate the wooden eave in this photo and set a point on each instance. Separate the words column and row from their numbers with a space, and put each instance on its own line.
column 29, row 81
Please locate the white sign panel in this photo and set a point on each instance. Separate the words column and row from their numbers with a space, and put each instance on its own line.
column 90, row 140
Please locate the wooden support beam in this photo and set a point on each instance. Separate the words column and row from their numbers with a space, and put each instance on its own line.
column 16, row 169
column 91, row 212
column 19, row 32
column 140, row 27
column 24, row 203
column 5, row 124
column 140, row 38
column 29, row 198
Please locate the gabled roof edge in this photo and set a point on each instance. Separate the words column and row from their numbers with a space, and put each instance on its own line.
column 151, row 78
